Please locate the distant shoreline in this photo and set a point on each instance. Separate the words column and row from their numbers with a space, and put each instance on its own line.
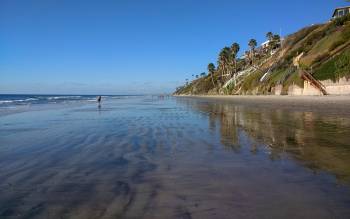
column 327, row 104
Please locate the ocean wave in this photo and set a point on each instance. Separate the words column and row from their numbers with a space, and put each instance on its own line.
column 63, row 97
column 6, row 101
column 26, row 100
column 20, row 100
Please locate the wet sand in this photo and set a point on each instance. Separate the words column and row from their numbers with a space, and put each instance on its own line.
column 174, row 158
column 327, row 104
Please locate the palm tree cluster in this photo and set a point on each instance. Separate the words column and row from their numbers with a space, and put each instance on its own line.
column 227, row 59
column 274, row 40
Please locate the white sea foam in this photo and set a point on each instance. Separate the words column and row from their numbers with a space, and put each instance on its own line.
column 6, row 101
column 63, row 97
column 21, row 100
column 30, row 99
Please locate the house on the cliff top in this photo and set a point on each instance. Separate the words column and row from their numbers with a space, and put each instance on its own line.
column 340, row 12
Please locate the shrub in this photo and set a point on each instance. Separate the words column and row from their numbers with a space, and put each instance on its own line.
column 346, row 32
column 251, row 81
column 341, row 20
column 345, row 36
column 342, row 65
column 319, row 58
column 336, row 44
column 300, row 35
column 294, row 53
column 312, row 39
column 335, row 68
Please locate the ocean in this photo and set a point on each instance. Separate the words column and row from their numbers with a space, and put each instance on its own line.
column 28, row 99
column 12, row 103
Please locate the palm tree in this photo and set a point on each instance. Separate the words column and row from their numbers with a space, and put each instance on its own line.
column 235, row 48
column 269, row 35
column 252, row 44
column 211, row 70
column 276, row 38
column 234, row 51
column 224, row 61
column 275, row 41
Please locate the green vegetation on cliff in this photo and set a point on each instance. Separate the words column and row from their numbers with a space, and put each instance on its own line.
column 323, row 50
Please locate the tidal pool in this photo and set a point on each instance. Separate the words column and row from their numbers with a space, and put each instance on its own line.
column 145, row 157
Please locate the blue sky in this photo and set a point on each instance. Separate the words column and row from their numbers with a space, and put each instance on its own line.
column 132, row 46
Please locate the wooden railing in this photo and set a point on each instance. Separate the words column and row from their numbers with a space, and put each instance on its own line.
column 313, row 81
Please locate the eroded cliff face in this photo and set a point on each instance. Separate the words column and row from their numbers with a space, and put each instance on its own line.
column 341, row 87
column 323, row 50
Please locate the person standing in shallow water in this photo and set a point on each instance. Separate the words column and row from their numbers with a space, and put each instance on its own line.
column 99, row 98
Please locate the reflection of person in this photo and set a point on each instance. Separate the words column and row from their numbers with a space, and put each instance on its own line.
column 99, row 101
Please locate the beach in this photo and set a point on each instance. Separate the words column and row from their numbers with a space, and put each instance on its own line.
column 174, row 109
column 177, row 157
column 325, row 104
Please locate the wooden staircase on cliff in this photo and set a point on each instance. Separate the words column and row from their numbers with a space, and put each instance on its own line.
column 313, row 81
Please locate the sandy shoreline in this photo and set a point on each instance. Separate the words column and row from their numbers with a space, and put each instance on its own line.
column 328, row 104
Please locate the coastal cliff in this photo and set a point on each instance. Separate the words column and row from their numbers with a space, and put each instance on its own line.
column 313, row 61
